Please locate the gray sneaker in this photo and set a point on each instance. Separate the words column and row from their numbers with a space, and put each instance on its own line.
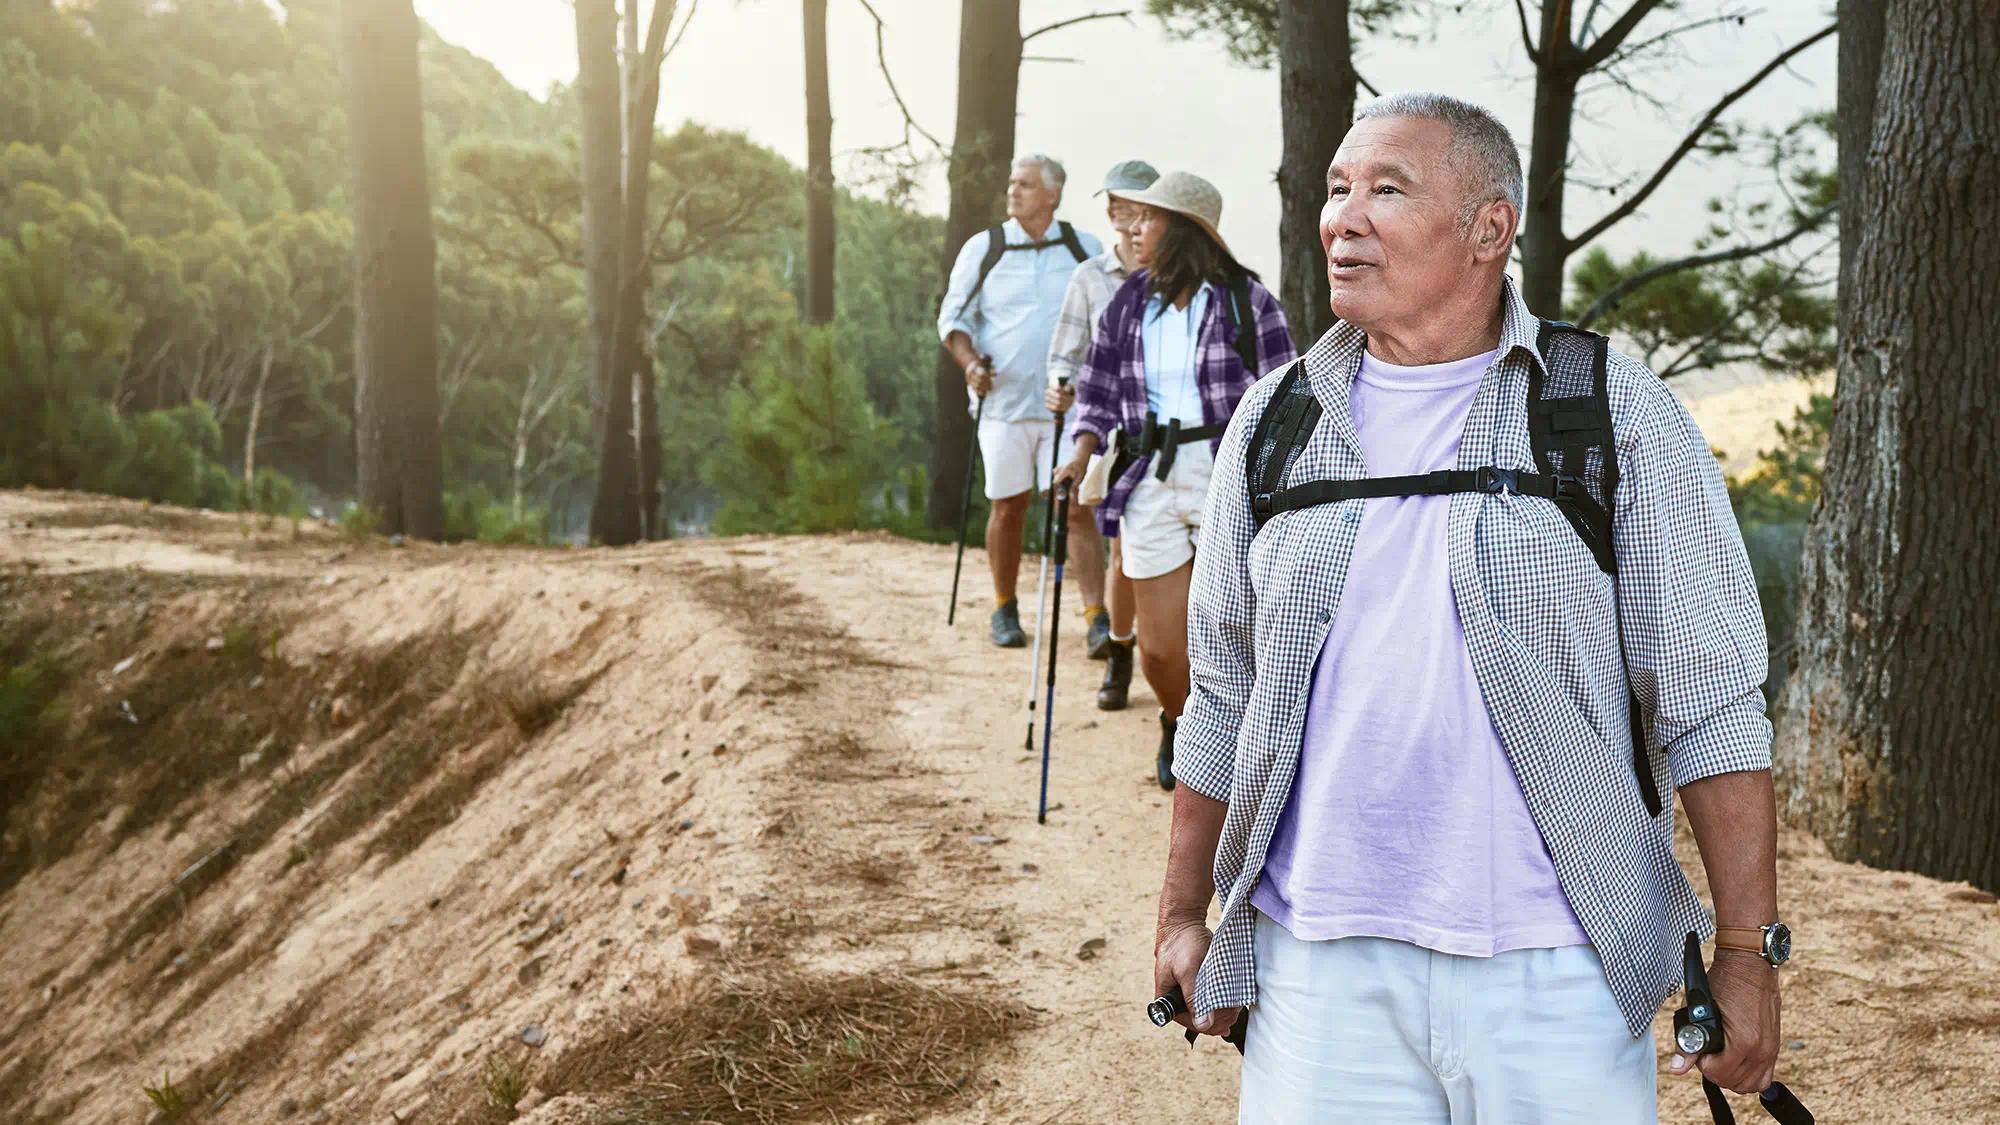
column 1097, row 639
column 1006, row 626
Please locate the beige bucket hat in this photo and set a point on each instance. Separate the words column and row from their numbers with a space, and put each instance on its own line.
column 1185, row 193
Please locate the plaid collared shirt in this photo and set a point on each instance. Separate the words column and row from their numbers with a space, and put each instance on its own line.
column 1111, row 393
column 1554, row 643
column 1091, row 287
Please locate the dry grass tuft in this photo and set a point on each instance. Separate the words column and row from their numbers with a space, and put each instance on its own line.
column 783, row 1047
column 531, row 701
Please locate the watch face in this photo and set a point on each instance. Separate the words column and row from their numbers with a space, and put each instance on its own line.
column 1778, row 943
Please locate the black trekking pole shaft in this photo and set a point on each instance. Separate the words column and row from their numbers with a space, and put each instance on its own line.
column 965, row 510
column 1048, row 532
column 1055, row 620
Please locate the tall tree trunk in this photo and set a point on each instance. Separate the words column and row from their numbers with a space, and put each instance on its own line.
column 1887, row 748
column 1859, row 72
column 614, row 511
column 250, row 428
column 398, row 459
column 1544, row 249
column 989, row 76
column 1316, row 100
column 819, row 170
column 635, row 264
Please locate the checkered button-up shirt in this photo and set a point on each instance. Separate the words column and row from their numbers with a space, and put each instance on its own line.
column 1091, row 287
column 1111, row 393
column 1554, row 642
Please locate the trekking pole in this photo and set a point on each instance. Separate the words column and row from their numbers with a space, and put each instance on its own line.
column 1055, row 620
column 965, row 510
column 1041, row 581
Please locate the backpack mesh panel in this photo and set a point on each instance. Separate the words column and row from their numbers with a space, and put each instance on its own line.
column 1572, row 432
column 1288, row 422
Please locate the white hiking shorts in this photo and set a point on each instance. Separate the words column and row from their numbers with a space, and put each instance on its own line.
column 1368, row 1029
column 1016, row 455
column 1162, row 520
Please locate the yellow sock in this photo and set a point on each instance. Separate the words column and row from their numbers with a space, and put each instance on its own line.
column 1000, row 602
column 1091, row 611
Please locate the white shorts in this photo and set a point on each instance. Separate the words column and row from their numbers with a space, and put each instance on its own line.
column 1369, row 1029
column 1162, row 521
column 1016, row 455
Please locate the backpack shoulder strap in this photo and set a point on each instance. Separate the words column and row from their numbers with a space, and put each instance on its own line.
column 1570, row 432
column 1241, row 314
column 996, row 245
column 1287, row 422
column 1070, row 240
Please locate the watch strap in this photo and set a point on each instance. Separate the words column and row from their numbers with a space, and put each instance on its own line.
column 1746, row 939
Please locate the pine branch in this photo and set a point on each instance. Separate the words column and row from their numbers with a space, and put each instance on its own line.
column 1610, row 297
column 1688, row 143
column 1125, row 15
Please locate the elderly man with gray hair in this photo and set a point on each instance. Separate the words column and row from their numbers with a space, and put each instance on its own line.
column 1470, row 609
column 999, row 312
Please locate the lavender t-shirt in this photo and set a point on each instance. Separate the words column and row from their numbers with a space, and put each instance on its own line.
column 1405, row 820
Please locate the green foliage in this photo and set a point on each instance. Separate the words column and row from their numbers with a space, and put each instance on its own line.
column 1773, row 502
column 1758, row 312
column 474, row 515
column 360, row 522
column 175, row 272
column 804, row 449
column 27, row 700
column 167, row 1098
column 1248, row 29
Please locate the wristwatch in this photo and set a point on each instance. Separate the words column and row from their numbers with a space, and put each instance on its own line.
column 1773, row 942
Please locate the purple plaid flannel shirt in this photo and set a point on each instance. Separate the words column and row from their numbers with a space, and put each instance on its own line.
column 1111, row 391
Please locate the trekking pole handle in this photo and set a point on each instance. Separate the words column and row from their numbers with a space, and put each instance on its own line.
column 1163, row 1009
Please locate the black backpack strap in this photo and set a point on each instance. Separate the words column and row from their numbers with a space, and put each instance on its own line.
column 1574, row 432
column 1565, row 430
column 1070, row 240
column 996, row 245
column 1287, row 421
column 1242, row 316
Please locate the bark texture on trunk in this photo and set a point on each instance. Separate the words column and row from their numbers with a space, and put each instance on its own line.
column 397, row 451
column 1889, row 742
column 989, row 75
column 1316, row 99
column 819, row 170
column 614, row 510
column 1862, row 23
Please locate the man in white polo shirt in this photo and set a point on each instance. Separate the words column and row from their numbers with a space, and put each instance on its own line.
column 999, row 313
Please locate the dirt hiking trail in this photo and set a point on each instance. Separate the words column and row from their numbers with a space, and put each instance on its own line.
column 319, row 830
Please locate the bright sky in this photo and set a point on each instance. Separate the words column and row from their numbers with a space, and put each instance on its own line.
column 1182, row 104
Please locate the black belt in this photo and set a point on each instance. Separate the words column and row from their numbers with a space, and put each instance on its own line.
column 1163, row 442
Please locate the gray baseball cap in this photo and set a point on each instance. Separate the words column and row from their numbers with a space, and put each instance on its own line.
column 1129, row 175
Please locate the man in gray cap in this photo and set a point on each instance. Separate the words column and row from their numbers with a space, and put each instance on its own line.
column 1111, row 633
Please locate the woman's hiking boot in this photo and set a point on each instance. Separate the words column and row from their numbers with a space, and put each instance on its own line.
column 1117, row 676
column 1006, row 625
column 1097, row 638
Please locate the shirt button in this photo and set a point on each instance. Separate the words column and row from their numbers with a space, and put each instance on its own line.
column 1353, row 514
column 1325, row 615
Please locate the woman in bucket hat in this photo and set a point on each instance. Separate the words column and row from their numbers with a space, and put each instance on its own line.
column 1181, row 341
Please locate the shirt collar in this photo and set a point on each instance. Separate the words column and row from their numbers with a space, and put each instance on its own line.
column 1107, row 260
column 1339, row 350
column 1156, row 304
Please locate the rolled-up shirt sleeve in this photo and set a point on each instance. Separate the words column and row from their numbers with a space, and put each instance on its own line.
column 1222, row 613
column 1695, row 647
column 953, row 315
